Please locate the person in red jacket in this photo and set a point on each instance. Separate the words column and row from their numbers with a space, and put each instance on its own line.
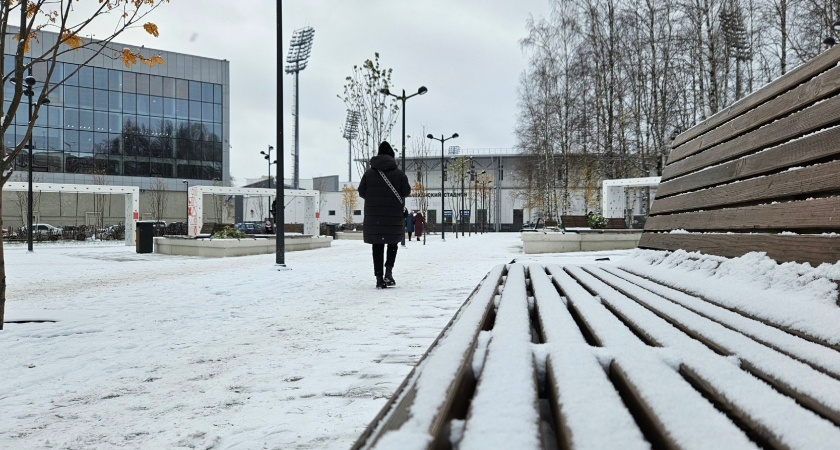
column 419, row 220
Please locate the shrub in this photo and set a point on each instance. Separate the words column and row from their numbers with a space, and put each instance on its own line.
column 229, row 233
column 597, row 221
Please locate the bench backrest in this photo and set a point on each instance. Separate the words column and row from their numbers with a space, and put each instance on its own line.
column 613, row 223
column 760, row 175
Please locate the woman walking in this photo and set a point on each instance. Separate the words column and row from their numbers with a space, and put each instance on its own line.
column 409, row 224
column 384, row 187
column 419, row 220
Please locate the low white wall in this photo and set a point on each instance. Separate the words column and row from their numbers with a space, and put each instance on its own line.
column 220, row 248
column 585, row 241
column 350, row 235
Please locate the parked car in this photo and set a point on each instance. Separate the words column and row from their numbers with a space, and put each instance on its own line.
column 43, row 231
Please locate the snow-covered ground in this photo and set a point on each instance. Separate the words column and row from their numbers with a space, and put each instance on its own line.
column 154, row 351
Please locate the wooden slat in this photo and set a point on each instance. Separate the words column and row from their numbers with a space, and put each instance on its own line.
column 782, row 248
column 819, row 116
column 790, row 154
column 820, row 63
column 811, row 180
column 823, row 213
column 825, row 85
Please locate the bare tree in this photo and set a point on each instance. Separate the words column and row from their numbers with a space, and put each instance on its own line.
column 157, row 198
column 349, row 201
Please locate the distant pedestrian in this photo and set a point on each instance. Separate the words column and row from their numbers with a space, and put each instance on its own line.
column 384, row 187
column 419, row 220
column 409, row 224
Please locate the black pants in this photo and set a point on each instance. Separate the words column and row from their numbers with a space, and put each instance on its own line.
column 409, row 235
column 378, row 250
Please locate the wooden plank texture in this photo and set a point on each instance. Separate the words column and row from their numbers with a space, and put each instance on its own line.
column 821, row 115
column 822, row 214
column 825, row 85
column 819, row 64
column 791, row 154
column 814, row 249
column 821, row 178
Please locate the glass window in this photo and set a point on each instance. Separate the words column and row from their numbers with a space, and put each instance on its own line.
column 85, row 120
column 55, row 139
column 168, row 87
column 129, row 124
column 39, row 71
column 115, row 123
column 86, row 98
column 73, row 80
column 130, row 145
column 207, row 92
column 182, row 108
column 183, row 148
column 142, row 104
column 156, row 147
column 182, row 129
column 71, row 96
column 142, row 83
column 156, row 126
column 71, row 141
column 217, row 93
column 115, row 147
column 143, row 125
column 195, row 110
column 217, row 132
column 100, row 143
column 156, row 106
column 142, row 145
column 39, row 137
column 195, row 151
column 207, row 112
column 100, row 121
column 115, row 101
column 42, row 120
column 100, row 78
column 71, row 119
column 168, row 127
column 182, row 89
column 115, row 80
column 207, row 151
column 57, row 96
column 85, row 142
column 56, row 117
column 168, row 107
column 130, row 103
column 137, row 168
column 195, row 90
column 100, row 100
column 159, row 169
column 86, row 76
column 156, row 85
column 9, row 90
column 217, row 113
column 129, row 82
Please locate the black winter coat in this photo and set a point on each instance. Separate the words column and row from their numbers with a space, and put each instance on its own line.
column 384, row 221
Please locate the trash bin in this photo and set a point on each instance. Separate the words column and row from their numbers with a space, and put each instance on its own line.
column 331, row 227
column 145, row 237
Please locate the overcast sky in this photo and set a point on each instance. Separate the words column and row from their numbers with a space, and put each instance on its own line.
column 466, row 52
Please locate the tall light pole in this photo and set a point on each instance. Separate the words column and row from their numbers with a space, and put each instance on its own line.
column 351, row 131
column 442, row 139
column 297, row 59
column 28, row 91
column 268, row 160
column 403, row 98
column 280, row 201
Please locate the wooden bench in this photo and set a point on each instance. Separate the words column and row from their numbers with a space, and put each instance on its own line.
column 613, row 223
column 641, row 355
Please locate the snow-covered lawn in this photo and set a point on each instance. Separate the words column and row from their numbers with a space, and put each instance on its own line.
column 154, row 351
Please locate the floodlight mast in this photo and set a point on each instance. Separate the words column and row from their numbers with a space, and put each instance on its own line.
column 297, row 59
column 351, row 131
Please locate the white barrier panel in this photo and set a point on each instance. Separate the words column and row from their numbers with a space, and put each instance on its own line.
column 614, row 200
column 132, row 198
column 311, row 223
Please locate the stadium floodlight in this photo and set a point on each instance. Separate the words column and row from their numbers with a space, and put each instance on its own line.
column 351, row 131
column 297, row 59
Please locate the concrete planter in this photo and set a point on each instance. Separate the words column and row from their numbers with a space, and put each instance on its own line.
column 221, row 248
column 580, row 241
column 351, row 235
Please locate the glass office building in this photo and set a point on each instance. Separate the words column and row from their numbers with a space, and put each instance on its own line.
column 130, row 124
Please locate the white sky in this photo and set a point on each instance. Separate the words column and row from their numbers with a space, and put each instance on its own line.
column 465, row 52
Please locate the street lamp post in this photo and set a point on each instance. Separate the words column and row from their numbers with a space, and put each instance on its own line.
column 268, row 160
column 442, row 139
column 403, row 98
column 187, row 183
column 297, row 59
column 28, row 91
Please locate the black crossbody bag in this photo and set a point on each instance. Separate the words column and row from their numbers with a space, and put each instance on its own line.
column 394, row 190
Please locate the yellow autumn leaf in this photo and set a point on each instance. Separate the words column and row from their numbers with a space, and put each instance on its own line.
column 151, row 29
column 72, row 40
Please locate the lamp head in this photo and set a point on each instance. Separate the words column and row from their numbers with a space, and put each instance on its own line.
column 263, row 153
column 422, row 90
column 46, row 101
column 836, row 26
column 385, row 91
column 454, row 135
column 29, row 80
column 270, row 147
column 185, row 181
column 829, row 41
column 430, row 136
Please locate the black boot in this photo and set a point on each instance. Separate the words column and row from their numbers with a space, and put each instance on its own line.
column 380, row 283
column 389, row 279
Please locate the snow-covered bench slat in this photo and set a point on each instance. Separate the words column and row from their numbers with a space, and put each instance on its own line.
column 504, row 412
column 588, row 409
column 441, row 379
column 813, row 388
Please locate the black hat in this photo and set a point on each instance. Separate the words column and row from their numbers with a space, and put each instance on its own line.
column 385, row 149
